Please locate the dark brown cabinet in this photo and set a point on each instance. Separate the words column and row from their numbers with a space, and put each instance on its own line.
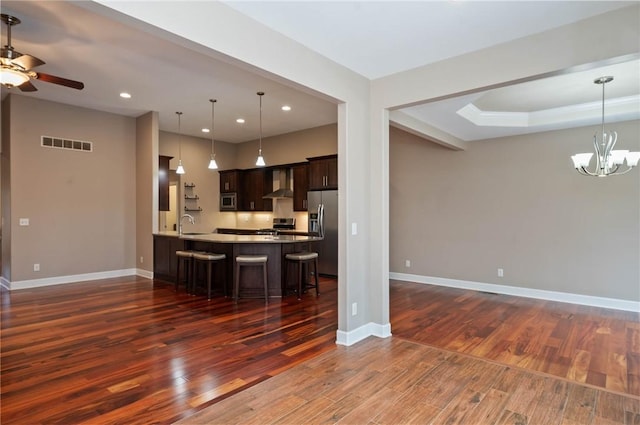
column 255, row 184
column 300, row 186
column 230, row 181
column 323, row 172
column 163, row 182
column 164, row 257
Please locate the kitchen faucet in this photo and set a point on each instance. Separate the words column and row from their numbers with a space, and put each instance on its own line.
column 191, row 220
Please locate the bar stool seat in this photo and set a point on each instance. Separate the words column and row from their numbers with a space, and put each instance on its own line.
column 251, row 260
column 209, row 259
column 303, row 259
column 186, row 257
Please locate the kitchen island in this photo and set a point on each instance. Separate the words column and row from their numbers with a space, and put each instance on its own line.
column 275, row 247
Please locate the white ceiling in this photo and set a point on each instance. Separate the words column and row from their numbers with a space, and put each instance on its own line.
column 373, row 38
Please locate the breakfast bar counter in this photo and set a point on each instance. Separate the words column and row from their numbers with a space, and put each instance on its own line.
column 274, row 247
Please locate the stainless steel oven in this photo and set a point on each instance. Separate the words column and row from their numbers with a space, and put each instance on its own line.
column 228, row 202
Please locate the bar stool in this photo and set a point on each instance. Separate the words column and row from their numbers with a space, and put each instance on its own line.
column 186, row 257
column 209, row 259
column 251, row 260
column 303, row 259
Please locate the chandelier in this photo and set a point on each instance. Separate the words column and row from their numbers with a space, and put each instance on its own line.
column 608, row 161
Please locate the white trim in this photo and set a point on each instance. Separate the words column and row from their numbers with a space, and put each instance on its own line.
column 144, row 273
column 626, row 107
column 58, row 280
column 364, row 331
column 5, row 283
column 565, row 297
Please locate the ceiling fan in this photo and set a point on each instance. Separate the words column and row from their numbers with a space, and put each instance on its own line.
column 15, row 67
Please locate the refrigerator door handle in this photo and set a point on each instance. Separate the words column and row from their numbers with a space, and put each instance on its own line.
column 321, row 220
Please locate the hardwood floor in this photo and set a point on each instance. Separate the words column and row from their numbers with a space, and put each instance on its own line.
column 396, row 381
column 128, row 351
column 595, row 346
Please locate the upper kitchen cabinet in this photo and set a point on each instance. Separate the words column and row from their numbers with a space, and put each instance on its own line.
column 323, row 172
column 255, row 184
column 300, row 186
column 163, row 182
column 230, row 181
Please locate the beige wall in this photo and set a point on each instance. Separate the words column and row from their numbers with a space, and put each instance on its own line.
column 5, row 115
column 81, row 206
column 291, row 147
column 516, row 203
column 146, row 188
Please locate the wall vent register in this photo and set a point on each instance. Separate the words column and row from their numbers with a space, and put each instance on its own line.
column 60, row 143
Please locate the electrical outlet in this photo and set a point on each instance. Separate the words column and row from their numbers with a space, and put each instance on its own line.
column 141, row 260
column 36, row 267
column 24, row 222
column 500, row 273
column 407, row 263
column 354, row 309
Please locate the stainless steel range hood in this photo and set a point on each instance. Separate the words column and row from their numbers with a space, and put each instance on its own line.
column 284, row 190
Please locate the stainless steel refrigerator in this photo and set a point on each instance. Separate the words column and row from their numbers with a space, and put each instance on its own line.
column 323, row 218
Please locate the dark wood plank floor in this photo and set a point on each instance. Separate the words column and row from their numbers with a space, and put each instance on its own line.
column 128, row 351
column 590, row 345
column 124, row 351
column 395, row 381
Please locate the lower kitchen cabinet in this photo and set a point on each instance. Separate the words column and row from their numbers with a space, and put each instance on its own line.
column 164, row 256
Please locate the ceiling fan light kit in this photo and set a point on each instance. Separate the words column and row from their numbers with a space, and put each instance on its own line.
column 15, row 67
column 608, row 161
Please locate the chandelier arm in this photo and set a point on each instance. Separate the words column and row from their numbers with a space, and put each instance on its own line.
column 622, row 172
column 582, row 170
column 596, row 146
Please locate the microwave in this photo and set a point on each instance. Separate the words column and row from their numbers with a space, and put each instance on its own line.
column 228, row 202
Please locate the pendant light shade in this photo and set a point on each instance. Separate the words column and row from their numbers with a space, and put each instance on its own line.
column 260, row 161
column 180, row 169
column 213, row 165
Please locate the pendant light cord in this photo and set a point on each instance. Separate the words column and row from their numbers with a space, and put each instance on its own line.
column 260, row 94
column 179, row 137
column 213, row 107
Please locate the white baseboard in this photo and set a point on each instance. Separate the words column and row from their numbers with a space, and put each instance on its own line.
column 364, row 331
column 564, row 297
column 144, row 273
column 59, row 280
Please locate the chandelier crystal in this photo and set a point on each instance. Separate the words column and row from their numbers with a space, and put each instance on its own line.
column 608, row 161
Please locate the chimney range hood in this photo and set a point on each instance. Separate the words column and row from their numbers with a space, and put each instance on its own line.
column 284, row 190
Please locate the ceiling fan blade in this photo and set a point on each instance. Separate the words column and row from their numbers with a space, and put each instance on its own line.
column 59, row 80
column 27, row 86
column 27, row 61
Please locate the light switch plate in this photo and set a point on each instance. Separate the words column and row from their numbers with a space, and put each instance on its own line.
column 24, row 222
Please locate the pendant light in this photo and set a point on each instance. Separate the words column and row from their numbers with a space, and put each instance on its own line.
column 213, row 165
column 180, row 169
column 260, row 161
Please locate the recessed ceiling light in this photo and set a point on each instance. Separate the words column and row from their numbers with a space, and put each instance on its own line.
column 240, row 120
column 205, row 130
column 286, row 108
column 125, row 95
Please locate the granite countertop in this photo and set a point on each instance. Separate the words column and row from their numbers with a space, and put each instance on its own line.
column 226, row 238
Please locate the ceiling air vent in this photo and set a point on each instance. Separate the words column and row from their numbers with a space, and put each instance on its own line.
column 60, row 143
